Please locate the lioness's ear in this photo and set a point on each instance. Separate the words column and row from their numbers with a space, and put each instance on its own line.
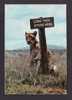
column 25, row 33
column 35, row 33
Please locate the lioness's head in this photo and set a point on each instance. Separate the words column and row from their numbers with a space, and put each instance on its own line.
column 31, row 38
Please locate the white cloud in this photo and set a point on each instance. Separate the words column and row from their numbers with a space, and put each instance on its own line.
column 17, row 21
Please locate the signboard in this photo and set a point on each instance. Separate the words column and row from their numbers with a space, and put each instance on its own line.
column 42, row 22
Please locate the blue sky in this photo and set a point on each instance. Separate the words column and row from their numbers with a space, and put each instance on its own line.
column 17, row 22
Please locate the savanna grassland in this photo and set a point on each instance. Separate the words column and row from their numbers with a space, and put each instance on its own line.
column 19, row 79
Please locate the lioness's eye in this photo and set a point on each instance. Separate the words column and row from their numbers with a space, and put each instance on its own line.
column 33, row 38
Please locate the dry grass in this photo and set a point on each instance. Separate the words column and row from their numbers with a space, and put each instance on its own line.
column 19, row 79
column 30, row 89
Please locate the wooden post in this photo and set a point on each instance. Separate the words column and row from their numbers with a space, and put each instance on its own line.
column 41, row 24
column 44, row 54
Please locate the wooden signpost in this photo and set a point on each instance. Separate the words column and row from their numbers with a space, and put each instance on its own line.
column 41, row 24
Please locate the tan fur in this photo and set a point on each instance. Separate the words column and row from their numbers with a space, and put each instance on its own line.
column 35, row 55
